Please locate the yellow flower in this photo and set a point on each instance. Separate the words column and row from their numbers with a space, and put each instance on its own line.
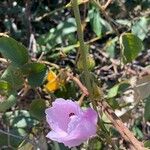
column 53, row 82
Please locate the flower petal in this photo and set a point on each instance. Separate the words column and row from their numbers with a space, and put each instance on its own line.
column 56, row 136
column 58, row 114
column 80, row 128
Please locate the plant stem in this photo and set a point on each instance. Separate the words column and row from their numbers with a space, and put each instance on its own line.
column 79, row 31
column 82, row 50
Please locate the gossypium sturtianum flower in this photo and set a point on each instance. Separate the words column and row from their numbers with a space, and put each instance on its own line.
column 69, row 123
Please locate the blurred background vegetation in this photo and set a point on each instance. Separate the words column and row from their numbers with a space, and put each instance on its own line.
column 117, row 36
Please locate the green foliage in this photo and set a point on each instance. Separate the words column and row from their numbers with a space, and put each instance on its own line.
column 4, row 86
column 111, row 47
column 116, row 89
column 23, row 98
column 37, row 109
column 19, row 119
column 8, row 103
column 15, row 142
column 140, row 27
column 20, row 122
column 98, row 24
column 35, row 73
column 56, row 35
column 13, row 50
column 131, row 46
column 14, row 77
column 68, row 91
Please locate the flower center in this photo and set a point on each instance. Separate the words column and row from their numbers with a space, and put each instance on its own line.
column 71, row 114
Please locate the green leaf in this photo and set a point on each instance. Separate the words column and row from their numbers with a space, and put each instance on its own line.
column 137, row 132
column 141, row 27
column 98, row 24
column 113, row 91
column 95, row 144
column 131, row 46
column 36, row 73
column 7, row 103
column 110, row 47
column 147, row 109
column 13, row 50
column 57, row 35
column 116, row 89
column 20, row 122
column 37, row 109
column 14, row 77
column 4, row 86
column 19, row 119
column 68, row 91
column 15, row 142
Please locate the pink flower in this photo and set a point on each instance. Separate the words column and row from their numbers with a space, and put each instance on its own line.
column 69, row 123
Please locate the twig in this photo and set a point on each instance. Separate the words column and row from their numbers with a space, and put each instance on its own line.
column 107, row 4
column 80, row 101
column 122, row 129
column 78, row 82
column 42, row 54
column 47, row 63
column 56, row 10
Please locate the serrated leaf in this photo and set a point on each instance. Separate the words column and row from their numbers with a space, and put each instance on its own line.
column 13, row 50
column 35, row 73
column 131, row 46
column 37, row 108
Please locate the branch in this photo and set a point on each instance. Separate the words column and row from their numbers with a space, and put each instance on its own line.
column 122, row 129
column 78, row 82
column 107, row 4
